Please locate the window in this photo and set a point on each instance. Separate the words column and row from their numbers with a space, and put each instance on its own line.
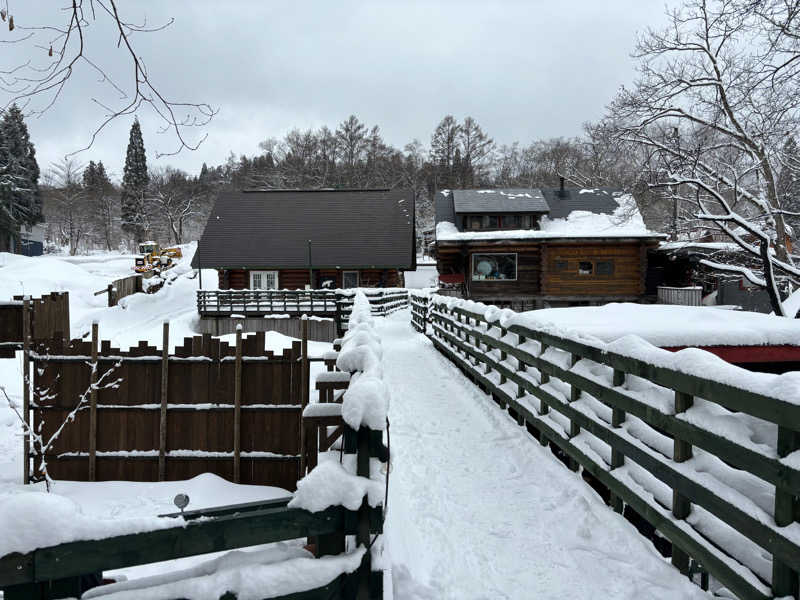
column 561, row 265
column 585, row 267
column 512, row 222
column 475, row 222
column 263, row 280
column 494, row 267
column 494, row 222
column 349, row 279
column 605, row 267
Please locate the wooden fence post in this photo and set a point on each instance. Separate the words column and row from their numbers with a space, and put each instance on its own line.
column 681, row 507
column 304, row 392
column 787, row 510
column 26, row 387
column 162, row 425
column 237, row 406
column 617, row 458
column 93, row 408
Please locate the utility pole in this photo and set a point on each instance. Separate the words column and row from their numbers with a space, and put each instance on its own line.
column 310, row 269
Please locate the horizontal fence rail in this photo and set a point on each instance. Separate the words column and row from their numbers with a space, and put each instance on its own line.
column 59, row 571
column 266, row 302
column 702, row 461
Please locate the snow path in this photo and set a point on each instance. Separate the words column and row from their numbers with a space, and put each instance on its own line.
column 478, row 509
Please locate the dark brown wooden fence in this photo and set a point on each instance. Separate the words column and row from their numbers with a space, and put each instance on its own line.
column 49, row 317
column 205, row 408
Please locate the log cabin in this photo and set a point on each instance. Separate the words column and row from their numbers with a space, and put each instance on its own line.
column 533, row 248
column 292, row 239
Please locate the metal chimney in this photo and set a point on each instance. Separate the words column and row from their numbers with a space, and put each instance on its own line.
column 561, row 191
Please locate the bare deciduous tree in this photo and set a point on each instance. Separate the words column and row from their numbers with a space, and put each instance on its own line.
column 58, row 49
column 716, row 97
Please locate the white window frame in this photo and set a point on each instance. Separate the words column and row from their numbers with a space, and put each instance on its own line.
column 358, row 279
column 516, row 265
column 264, row 277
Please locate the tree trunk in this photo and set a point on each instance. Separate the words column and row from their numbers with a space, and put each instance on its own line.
column 769, row 278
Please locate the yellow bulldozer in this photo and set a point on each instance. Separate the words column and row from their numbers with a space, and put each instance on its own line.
column 154, row 259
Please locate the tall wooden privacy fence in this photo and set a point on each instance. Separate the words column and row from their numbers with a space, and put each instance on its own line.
column 48, row 317
column 209, row 407
column 676, row 448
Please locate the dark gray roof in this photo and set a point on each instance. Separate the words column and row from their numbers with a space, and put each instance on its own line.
column 443, row 205
column 347, row 228
column 597, row 200
column 513, row 200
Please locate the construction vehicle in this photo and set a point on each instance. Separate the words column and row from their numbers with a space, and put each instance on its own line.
column 154, row 259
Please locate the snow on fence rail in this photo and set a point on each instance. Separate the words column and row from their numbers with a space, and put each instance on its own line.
column 337, row 506
column 706, row 452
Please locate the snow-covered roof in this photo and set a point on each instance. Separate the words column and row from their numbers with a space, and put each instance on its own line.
column 668, row 325
column 624, row 222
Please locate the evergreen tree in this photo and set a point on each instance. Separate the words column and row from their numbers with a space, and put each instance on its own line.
column 99, row 192
column 20, row 201
column 134, row 186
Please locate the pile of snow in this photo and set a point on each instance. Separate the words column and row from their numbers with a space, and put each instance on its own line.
column 668, row 325
column 625, row 222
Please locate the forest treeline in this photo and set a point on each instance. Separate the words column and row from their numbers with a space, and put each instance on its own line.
column 84, row 210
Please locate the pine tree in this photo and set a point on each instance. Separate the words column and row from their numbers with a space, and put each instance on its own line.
column 20, row 201
column 134, row 186
column 99, row 191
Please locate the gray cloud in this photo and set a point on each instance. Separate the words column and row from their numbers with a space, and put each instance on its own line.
column 524, row 70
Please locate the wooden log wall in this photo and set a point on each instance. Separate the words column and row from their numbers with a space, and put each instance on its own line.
column 297, row 279
column 198, row 418
column 581, row 400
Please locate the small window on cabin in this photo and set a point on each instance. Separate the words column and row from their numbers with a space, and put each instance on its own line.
column 475, row 222
column 512, row 222
column 494, row 267
column 605, row 267
column 561, row 265
column 494, row 222
column 585, row 267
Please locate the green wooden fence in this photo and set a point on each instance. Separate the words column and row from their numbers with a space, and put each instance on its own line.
column 585, row 400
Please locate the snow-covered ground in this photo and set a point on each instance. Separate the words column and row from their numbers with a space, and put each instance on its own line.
column 478, row 510
column 138, row 317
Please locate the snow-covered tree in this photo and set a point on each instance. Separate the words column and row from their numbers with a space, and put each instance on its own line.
column 716, row 95
column 135, row 217
column 175, row 198
column 20, row 202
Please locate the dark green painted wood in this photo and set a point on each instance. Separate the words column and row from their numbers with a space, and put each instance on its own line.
column 771, row 409
column 766, row 467
column 769, row 538
column 681, row 506
column 197, row 537
column 654, row 514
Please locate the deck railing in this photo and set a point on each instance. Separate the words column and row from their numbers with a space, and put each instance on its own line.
column 693, row 446
column 684, row 296
column 258, row 303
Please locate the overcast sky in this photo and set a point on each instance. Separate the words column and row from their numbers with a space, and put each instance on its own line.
column 524, row 70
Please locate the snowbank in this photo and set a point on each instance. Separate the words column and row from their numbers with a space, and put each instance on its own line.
column 671, row 325
column 38, row 519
